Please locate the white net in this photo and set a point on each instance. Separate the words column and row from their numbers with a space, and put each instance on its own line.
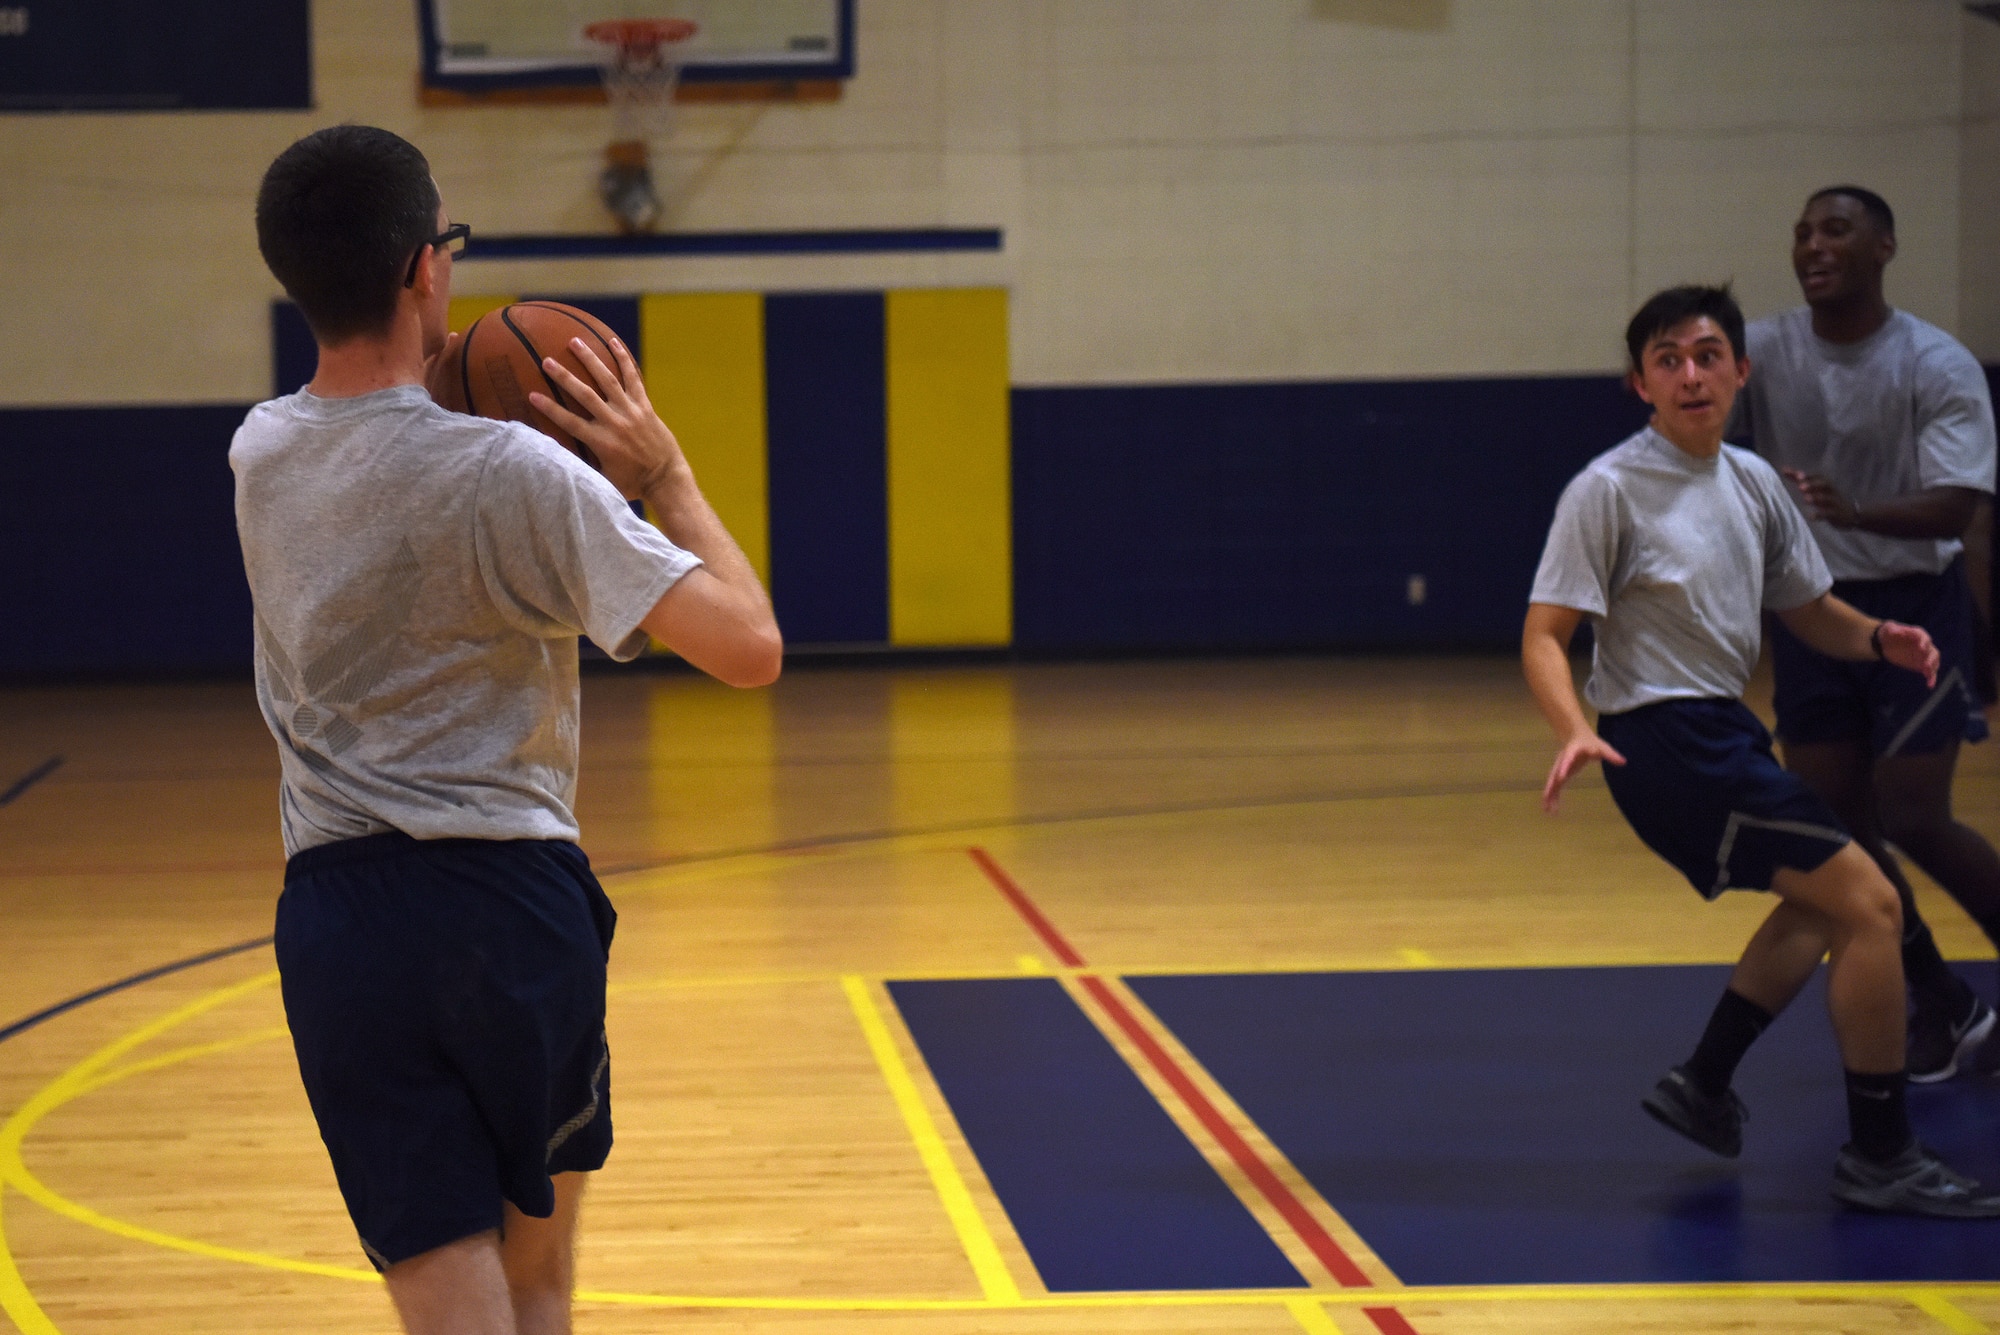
column 642, row 66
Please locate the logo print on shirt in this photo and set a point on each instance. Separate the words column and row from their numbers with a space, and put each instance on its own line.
column 348, row 670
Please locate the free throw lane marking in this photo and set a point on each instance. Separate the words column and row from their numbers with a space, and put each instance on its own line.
column 994, row 1279
column 1337, row 1262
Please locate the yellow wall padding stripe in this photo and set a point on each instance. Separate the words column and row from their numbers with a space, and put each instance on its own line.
column 995, row 1281
column 464, row 310
column 951, row 562
column 703, row 357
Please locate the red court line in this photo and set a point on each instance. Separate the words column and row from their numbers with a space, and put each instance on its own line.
column 1026, row 908
column 1389, row 1321
column 1337, row 1262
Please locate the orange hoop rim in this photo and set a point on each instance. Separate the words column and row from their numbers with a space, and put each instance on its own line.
column 641, row 34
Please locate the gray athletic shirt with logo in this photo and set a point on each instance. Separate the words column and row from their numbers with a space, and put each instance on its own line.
column 419, row 579
column 1903, row 410
column 1674, row 559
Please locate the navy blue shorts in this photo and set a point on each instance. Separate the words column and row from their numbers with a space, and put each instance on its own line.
column 446, row 1000
column 1700, row 786
column 1821, row 699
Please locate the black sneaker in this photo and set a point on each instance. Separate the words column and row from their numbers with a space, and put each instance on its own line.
column 1712, row 1121
column 1940, row 1048
column 1914, row 1182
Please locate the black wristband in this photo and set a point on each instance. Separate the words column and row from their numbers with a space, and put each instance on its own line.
column 1875, row 639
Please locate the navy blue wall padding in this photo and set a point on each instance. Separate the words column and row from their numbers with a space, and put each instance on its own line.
column 160, row 55
column 1174, row 517
column 1483, row 1126
column 1293, row 515
column 826, row 419
column 118, row 544
column 1102, row 1188
column 294, row 355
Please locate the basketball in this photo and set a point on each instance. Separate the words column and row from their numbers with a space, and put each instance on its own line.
column 499, row 361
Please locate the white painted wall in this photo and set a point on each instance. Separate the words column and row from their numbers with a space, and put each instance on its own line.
column 1229, row 190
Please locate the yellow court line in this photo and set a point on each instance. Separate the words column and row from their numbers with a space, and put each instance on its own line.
column 176, row 1056
column 15, row 1298
column 1925, row 1297
column 994, row 1279
column 1948, row 1314
column 1312, row 1318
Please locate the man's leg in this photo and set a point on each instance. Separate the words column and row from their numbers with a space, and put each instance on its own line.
column 1882, row 1167
column 539, row 1258
column 457, row 1289
column 1913, row 794
column 1848, row 899
column 1840, row 774
column 1843, row 908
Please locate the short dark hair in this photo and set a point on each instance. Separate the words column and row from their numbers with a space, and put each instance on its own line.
column 339, row 214
column 1872, row 204
column 1675, row 307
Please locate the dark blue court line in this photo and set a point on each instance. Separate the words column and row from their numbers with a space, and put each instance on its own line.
column 84, row 998
column 1102, row 1188
column 31, row 778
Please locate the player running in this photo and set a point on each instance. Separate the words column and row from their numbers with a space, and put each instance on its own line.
column 1673, row 543
column 1884, row 425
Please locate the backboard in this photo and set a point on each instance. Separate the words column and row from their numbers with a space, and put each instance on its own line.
column 535, row 49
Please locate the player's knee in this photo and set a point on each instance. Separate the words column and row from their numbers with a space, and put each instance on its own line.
column 537, row 1268
column 1858, row 896
column 1874, row 906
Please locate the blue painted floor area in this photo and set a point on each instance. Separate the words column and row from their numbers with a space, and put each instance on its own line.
column 1102, row 1188
column 1483, row 1127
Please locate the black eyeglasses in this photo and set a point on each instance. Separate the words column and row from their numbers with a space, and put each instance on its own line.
column 452, row 238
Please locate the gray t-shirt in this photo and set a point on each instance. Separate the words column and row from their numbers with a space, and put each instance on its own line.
column 1674, row 559
column 1903, row 410
column 419, row 580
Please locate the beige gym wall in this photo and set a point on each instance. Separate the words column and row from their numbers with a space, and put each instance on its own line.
column 1261, row 189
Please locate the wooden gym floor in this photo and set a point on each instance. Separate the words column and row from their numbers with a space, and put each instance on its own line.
column 1194, row 996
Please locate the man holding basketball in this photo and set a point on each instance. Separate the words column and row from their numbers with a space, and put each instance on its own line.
column 1673, row 543
column 419, row 579
column 1884, row 426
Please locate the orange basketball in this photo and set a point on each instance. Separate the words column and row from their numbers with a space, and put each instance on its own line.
column 499, row 361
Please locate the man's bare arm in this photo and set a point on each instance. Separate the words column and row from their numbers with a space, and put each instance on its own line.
column 1936, row 512
column 718, row 617
column 1545, row 641
column 1839, row 631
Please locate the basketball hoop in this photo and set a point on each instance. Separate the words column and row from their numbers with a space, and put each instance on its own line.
column 641, row 68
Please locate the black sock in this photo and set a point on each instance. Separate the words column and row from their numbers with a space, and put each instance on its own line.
column 1932, row 983
column 1877, row 1121
column 1733, row 1027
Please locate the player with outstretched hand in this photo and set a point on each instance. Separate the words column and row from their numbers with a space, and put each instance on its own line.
column 419, row 579
column 1674, row 543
